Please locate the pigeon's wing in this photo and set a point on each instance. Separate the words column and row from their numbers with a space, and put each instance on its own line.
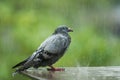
column 55, row 44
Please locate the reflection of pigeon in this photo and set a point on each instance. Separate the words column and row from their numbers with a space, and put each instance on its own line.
column 49, row 51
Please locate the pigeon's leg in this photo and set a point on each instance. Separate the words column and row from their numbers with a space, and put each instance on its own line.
column 55, row 69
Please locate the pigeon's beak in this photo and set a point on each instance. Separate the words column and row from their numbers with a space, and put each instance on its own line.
column 70, row 30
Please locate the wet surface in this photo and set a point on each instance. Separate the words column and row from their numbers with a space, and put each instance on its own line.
column 76, row 73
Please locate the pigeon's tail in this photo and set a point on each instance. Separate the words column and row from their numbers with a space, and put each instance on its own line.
column 19, row 64
column 22, row 68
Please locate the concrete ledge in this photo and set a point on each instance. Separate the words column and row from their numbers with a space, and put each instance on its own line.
column 75, row 73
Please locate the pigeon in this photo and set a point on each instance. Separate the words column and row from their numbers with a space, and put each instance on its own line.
column 49, row 52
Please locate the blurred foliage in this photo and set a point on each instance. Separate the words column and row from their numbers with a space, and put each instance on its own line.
column 24, row 24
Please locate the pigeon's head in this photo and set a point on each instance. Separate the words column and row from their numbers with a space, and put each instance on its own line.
column 63, row 29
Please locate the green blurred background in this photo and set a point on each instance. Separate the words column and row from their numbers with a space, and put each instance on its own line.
column 24, row 24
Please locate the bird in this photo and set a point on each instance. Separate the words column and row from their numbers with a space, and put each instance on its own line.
column 49, row 52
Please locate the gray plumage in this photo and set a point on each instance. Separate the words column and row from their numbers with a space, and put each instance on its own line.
column 50, row 51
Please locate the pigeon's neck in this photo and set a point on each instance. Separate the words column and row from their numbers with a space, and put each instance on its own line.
column 63, row 33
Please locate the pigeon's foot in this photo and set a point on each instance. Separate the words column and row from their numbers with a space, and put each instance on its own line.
column 55, row 69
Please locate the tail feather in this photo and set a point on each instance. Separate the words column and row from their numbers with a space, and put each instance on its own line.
column 19, row 64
